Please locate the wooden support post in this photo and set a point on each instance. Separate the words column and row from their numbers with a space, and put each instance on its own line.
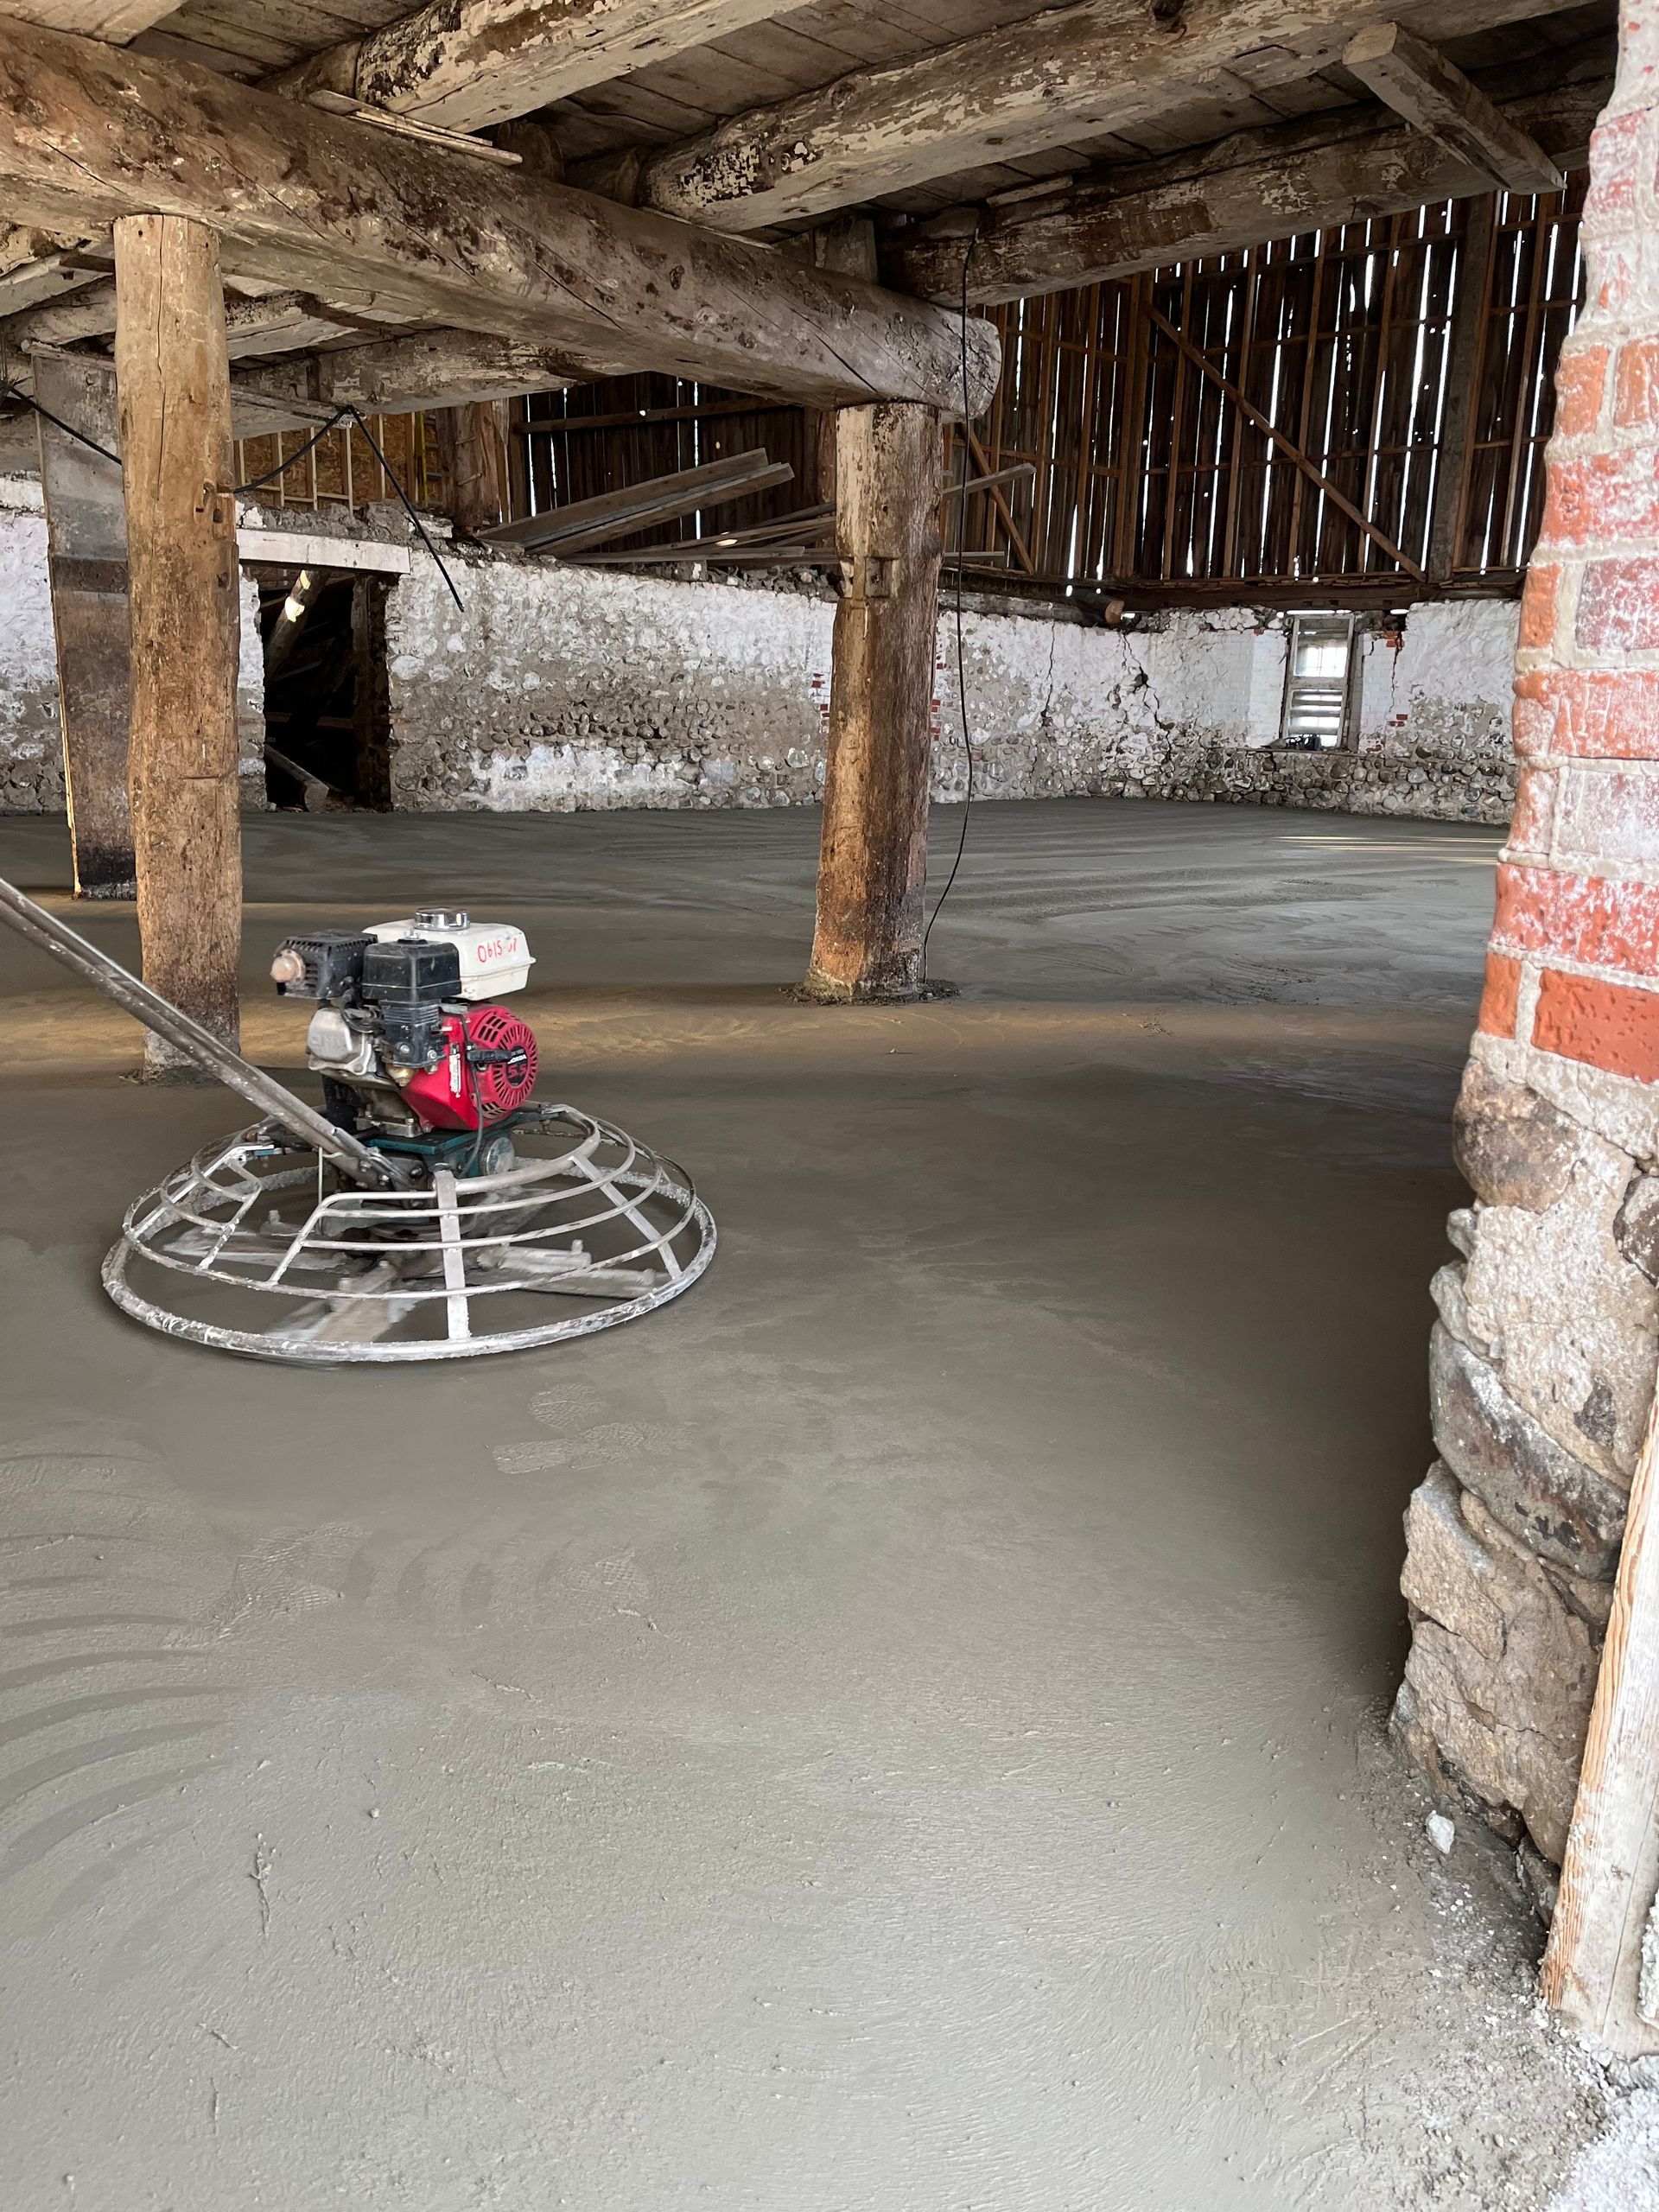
column 86, row 543
column 872, row 862
column 174, row 380
column 476, row 466
column 1601, row 1970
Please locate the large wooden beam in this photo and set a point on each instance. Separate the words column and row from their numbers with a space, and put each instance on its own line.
column 1097, row 66
column 312, row 200
column 872, row 857
column 172, row 376
column 1417, row 81
column 469, row 63
column 399, row 376
column 276, row 322
column 86, row 565
column 1262, row 185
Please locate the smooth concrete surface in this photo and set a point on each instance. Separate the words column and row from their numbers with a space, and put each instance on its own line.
column 898, row 1731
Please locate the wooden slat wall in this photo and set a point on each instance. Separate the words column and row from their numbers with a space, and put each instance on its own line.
column 1147, row 473
column 341, row 470
column 571, row 462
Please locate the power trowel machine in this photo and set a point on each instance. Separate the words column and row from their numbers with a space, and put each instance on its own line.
column 433, row 1207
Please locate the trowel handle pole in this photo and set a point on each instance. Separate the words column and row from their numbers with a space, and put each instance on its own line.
column 208, row 1051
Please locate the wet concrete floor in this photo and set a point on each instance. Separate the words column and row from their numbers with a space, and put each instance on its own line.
column 897, row 1730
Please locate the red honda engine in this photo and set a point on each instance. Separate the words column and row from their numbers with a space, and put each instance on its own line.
column 486, row 1068
column 407, row 1036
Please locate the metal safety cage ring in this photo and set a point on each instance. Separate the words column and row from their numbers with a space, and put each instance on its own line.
column 453, row 1269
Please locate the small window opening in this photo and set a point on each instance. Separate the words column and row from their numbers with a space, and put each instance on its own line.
column 1318, row 682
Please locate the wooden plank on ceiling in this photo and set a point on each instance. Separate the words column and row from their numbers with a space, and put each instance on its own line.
column 1118, row 225
column 469, row 63
column 116, row 21
column 1097, row 65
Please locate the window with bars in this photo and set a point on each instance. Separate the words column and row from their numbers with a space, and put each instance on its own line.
column 1318, row 682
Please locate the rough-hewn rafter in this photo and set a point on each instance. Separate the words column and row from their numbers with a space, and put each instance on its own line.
column 1264, row 185
column 392, row 376
column 1418, row 82
column 466, row 63
column 1097, row 66
column 306, row 199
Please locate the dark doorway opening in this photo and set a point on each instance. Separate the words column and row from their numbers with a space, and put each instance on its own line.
column 328, row 727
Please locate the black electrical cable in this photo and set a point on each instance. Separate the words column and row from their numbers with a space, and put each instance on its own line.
column 420, row 527
column 257, row 483
column 962, row 679
column 346, row 413
column 10, row 391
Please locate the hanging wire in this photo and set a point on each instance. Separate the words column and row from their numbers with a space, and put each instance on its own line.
column 962, row 678
column 10, row 391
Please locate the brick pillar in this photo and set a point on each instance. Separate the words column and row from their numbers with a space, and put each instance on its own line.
column 1542, row 1363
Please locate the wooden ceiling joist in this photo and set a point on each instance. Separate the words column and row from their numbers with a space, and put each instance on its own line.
column 424, row 369
column 470, row 63
column 299, row 198
column 1418, row 82
column 1265, row 185
column 1099, row 66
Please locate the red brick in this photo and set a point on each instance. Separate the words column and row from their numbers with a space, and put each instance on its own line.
column 1616, row 151
column 1608, row 817
column 1581, row 380
column 1590, row 713
column 1498, row 1001
column 1534, row 803
column 1538, row 605
column 1618, row 606
column 1635, row 386
column 1606, row 496
column 1606, row 1024
column 1589, row 918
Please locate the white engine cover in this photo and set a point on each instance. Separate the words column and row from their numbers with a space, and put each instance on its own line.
column 494, row 957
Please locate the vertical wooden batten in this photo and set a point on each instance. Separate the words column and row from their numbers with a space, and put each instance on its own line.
column 87, row 544
column 174, row 380
column 873, row 859
column 1601, row 1969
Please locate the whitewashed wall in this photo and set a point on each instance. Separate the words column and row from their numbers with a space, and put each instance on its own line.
column 557, row 687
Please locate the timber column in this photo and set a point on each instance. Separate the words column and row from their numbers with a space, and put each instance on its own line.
column 174, row 382
column 1541, row 1369
column 873, row 861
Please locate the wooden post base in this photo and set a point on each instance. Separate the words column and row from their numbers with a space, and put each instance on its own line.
column 174, row 382
column 873, row 858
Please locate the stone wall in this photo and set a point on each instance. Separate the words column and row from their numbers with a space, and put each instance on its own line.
column 553, row 688
column 557, row 687
column 1543, row 1364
